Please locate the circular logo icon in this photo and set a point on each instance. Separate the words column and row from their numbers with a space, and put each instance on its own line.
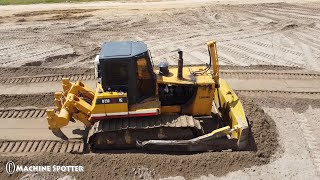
column 10, row 167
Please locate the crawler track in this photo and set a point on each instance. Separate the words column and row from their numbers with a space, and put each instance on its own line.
column 30, row 146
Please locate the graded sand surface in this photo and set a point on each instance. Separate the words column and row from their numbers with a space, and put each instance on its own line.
column 270, row 56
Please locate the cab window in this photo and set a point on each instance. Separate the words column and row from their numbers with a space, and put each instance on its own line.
column 144, row 78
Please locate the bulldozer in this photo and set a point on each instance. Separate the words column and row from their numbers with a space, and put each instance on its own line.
column 136, row 105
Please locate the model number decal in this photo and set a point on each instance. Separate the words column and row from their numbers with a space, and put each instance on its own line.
column 105, row 101
column 112, row 100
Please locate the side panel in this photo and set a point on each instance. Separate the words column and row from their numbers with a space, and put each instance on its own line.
column 202, row 102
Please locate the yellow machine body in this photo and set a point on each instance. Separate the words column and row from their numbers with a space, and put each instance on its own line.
column 213, row 96
column 201, row 105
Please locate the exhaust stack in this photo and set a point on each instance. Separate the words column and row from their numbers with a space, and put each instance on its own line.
column 180, row 65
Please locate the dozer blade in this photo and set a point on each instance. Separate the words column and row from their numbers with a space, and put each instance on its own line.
column 57, row 132
column 198, row 144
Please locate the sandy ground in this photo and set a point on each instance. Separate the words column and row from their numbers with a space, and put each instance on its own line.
column 271, row 47
column 300, row 158
column 269, row 34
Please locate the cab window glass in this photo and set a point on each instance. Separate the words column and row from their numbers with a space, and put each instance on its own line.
column 144, row 81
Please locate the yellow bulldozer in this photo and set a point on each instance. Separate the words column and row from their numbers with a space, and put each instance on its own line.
column 164, row 108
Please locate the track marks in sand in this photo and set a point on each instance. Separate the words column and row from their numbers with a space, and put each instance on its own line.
column 41, row 146
column 246, row 34
column 309, row 136
column 22, row 113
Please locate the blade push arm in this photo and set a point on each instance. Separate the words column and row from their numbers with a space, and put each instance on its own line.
column 214, row 60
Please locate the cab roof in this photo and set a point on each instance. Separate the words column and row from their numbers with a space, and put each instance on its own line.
column 122, row 49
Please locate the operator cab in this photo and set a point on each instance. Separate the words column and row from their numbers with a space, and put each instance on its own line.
column 126, row 67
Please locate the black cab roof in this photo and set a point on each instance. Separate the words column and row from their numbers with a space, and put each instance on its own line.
column 122, row 49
